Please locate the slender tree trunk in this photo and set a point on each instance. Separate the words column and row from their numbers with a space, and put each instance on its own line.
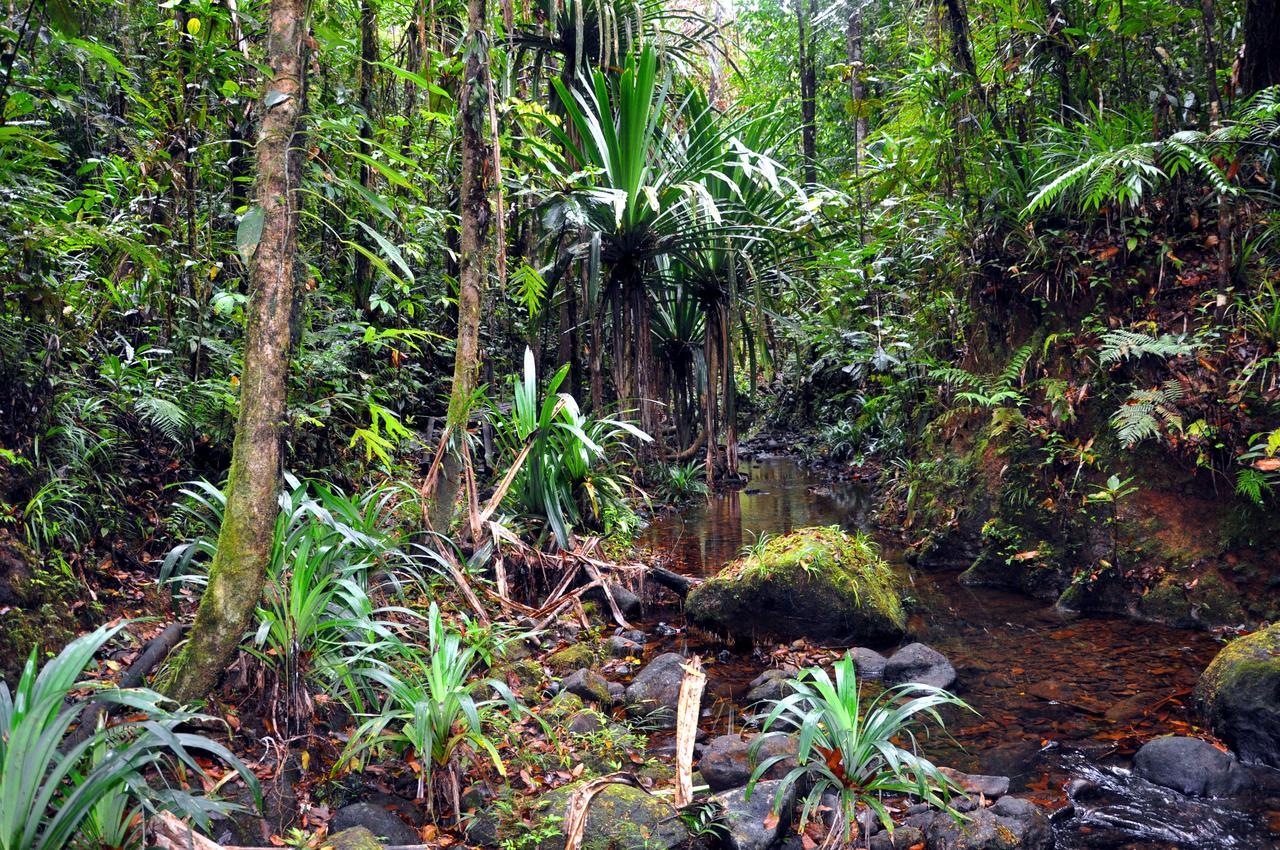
column 245, row 539
column 1260, row 62
column 857, row 99
column 808, row 84
column 1214, row 97
column 477, row 217
column 364, row 91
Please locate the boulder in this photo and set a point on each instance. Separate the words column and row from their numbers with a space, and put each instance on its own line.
column 869, row 663
column 990, row 787
column 918, row 664
column 620, row 817
column 1010, row 824
column 747, row 821
column 589, row 685
column 621, row 647
column 1239, row 696
column 1191, row 766
column 354, row 838
column 902, row 838
column 817, row 583
column 383, row 825
column 727, row 761
column 572, row 657
column 655, row 691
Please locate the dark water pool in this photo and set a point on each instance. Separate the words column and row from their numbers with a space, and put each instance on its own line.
column 1055, row 696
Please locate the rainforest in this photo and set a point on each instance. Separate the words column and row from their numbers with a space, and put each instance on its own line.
column 640, row 424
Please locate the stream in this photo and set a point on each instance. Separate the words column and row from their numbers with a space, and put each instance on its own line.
column 1059, row 699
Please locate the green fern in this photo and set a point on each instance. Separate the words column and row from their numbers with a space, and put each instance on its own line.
column 163, row 415
column 1147, row 412
column 1123, row 345
column 531, row 288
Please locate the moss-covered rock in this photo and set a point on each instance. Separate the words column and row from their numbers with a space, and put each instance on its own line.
column 355, row 838
column 1239, row 696
column 819, row 583
column 572, row 657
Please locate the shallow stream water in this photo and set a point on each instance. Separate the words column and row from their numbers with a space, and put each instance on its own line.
column 1057, row 697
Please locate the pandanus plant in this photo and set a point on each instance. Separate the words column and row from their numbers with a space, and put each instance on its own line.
column 642, row 193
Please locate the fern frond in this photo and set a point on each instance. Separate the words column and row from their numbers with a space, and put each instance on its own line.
column 163, row 415
column 1148, row 413
column 1122, row 345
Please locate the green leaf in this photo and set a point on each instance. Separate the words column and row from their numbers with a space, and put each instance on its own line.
column 249, row 233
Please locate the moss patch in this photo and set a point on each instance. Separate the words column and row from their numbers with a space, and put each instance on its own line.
column 819, row 582
column 1239, row 695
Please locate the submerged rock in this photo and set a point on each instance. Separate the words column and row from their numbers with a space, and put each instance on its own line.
column 819, row 583
column 655, row 691
column 918, row 664
column 990, row 787
column 1238, row 695
column 1191, row 766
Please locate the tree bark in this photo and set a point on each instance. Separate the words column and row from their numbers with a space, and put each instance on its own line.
column 476, row 215
column 808, row 86
column 364, row 91
column 1260, row 62
column 244, row 542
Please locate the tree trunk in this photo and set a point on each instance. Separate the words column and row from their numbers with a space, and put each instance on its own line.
column 244, row 542
column 1214, row 97
column 364, row 89
column 1260, row 63
column 808, row 86
column 476, row 217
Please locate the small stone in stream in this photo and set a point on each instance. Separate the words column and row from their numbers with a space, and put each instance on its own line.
column 869, row 663
column 990, row 787
column 655, row 691
column 635, row 635
column 770, row 685
column 377, row 820
column 1130, row 708
column 749, row 824
column 620, row 647
column 589, row 685
column 903, row 838
column 1191, row 766
column 918, row 664
column 727, row 761
column 664, row 630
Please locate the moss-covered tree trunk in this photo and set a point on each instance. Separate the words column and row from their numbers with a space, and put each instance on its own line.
column 476, row 216
column 244, row 543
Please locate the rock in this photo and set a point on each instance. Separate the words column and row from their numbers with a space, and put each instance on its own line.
column 903, row 838
column 817, row 583
column 769, row 686
column 621, row 647
column 1237, row 695
column 655, row 691
column 727, row 761
column 1010, row 824
column 635, row 635
column 990, row 787
column 383, row 824
column 589, row 685
column 869, row 663
column 1191, row 766
column 562, row 706
column 620, row 817
column 572, row 657
column 355, row 838
column 585, row 722
column 748, row 825
column 617, row 692
column 919, row 664
column 628, row 603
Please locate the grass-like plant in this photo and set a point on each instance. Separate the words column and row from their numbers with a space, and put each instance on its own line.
column 431, row 712
column 54, row 790
column 848, row 746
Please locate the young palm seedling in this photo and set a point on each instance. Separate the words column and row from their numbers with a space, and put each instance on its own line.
column 848, row 747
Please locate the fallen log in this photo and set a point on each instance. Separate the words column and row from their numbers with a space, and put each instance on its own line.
column 676, row 583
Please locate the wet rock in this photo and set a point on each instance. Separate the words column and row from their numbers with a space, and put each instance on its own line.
column 1237, row 696
column 655, row 691
column 617, row 691
column 818, row 583
column 385, row 826
column 1010, row 824
column 628, row 603
column 589, row 685
column 621, row 647
column 869, row 663
column 620, row 817
column 916, row 663
column 585, row 722
column 748, row 825
column 990, row 787
column 354, row 838
column 727, row 761
column 903, row 838
column 770, row 685
column 634, row 635
column 1191, row 766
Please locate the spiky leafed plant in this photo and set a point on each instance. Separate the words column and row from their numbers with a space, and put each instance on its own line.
column 850, row 748
column 55, row 789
